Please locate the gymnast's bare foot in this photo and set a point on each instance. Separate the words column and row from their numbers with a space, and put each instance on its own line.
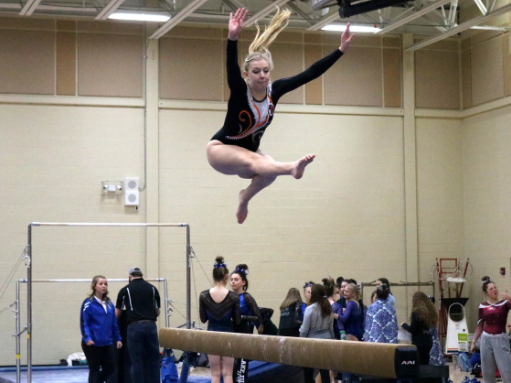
column 242, row 212
column 300, row 165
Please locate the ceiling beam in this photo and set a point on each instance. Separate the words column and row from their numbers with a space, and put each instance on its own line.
column 431, row 18
column 413, row 16
column 29, row 7
column 174, row 21
column 460, row 28
column 481, row 6
column 266, row 11
column 297, row 9
column 230, row 5
column 316, row 27
column 110, row 8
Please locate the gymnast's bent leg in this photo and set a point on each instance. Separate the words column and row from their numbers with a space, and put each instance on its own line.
column 260, row 167
column 235, row 160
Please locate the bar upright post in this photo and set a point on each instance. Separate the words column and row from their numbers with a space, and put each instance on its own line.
column 18, row 334
column 29, row 306
column 188, row 279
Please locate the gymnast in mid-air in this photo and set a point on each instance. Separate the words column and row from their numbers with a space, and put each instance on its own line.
column 234, row 149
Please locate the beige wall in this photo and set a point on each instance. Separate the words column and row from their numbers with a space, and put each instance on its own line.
column 485, row 149
column 53, row 161
column 437, row 76
column 439, row 185
column 485, row 60
column 369, row 76
column 71, row 58
column 345, row 217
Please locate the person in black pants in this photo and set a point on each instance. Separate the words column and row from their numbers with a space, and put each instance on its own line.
column 250, row 317
column 100, row 333
column 424, row 317
column 290, row 314
column 142, row 302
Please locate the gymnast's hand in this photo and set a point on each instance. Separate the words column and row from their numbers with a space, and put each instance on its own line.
column 505, row 296
column 236, row 23
column 346, row 39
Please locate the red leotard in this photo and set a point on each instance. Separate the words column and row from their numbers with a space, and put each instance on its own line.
column 494, row 316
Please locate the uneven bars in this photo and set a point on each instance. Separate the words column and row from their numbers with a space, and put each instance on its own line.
column 96, row 224
column 109, row 224
column 88, row 280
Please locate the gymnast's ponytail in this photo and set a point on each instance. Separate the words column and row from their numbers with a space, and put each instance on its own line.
column 219, row 269
column 329, row 285
column 258, row 50
column 382, row 292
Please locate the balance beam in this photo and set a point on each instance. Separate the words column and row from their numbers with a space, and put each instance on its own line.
column 378, row 359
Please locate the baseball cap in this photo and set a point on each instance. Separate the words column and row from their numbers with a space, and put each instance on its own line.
column 135, row 269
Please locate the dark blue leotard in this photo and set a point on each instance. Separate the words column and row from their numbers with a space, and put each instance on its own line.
column 353, row 319
column 220, row 316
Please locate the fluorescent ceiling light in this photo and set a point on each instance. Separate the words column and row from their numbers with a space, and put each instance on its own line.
column 489, row 28
column 139, row 17
column 353, row 28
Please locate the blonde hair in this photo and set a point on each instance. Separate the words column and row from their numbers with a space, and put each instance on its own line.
column 354, row 289
column 258, row 50
column 93, row 284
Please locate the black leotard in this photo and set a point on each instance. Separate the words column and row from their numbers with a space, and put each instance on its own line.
column 221, row 316
column 247, row 118
column 250, row 314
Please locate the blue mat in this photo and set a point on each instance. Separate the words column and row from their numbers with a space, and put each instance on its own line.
column 258, row 372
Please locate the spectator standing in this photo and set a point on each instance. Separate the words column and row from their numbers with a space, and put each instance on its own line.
column 142, row 302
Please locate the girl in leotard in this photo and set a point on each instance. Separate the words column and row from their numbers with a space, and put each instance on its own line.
column 234, row 149
column 250, row 317
column 221, row 309
column 491, row 327
column 353, row 315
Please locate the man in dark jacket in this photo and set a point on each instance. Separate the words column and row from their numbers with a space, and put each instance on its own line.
column 142, row 302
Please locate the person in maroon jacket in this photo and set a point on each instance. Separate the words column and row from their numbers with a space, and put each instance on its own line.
column 491, row 327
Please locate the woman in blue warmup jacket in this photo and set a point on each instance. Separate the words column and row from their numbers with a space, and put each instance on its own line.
column 100, row 334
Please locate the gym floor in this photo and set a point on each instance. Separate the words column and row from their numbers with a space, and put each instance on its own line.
column 79, row 375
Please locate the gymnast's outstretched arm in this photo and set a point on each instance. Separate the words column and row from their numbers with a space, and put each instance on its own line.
column 282, row 86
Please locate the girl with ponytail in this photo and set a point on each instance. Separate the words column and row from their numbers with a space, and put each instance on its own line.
column 234, row 149
column 491, row 328
column 318, row 323
column 221, row 309
column 250, row 317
